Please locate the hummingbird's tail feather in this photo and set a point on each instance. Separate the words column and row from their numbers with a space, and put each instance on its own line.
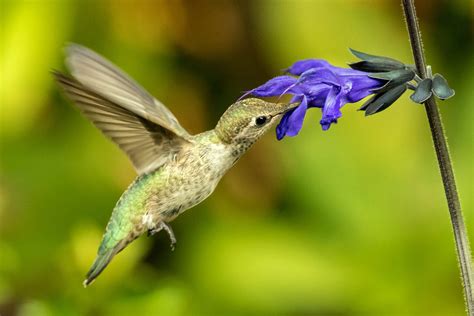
column 101, row 262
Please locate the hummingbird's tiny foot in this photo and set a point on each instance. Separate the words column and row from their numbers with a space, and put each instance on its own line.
column 153, row 231
column 170, row 232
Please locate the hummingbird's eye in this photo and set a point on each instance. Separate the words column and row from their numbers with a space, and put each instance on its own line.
column 261, row 120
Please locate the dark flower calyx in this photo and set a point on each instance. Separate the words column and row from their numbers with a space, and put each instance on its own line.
column 373, row 63
column 381, row 101
column 394, row 78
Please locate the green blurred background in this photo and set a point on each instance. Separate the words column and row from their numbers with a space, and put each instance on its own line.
column 351, row 221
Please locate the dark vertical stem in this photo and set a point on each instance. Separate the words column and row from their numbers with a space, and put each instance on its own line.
column 444, row 161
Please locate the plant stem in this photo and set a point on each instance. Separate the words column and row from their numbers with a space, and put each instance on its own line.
column 444, row 161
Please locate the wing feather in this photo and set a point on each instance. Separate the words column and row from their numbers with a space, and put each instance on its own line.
column 102, row 77
column 147, row 143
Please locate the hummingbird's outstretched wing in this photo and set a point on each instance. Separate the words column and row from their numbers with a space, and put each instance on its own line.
column 104, row 78
column 145, row 139
column 125, row 112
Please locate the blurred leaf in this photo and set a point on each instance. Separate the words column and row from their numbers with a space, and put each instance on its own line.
column 278, row 271
column 167, row 299
column 30, row 50
column 34, row 307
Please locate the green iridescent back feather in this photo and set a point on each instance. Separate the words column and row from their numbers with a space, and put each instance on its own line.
column 125, row 223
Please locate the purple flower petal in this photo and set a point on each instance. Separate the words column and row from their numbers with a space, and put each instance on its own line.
column 296, row 118
column 282, row 127
column 362, row 86
column 319, row 75
column 331, row 109
column 303, row 65
column 273, row 87
column 316, row 94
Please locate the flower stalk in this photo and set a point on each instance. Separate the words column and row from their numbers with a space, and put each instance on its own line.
column 444, row 160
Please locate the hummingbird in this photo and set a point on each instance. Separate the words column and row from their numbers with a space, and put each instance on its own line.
column 176, row 170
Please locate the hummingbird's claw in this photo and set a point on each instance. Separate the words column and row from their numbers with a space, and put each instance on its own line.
column 170, row 232
column 168, row 229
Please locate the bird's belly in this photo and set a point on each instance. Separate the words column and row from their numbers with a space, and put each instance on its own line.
column 195, row 196
column 189, row 195
column 183, row 191
column 189, row 181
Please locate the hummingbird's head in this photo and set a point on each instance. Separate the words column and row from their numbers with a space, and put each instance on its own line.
column 247, row 120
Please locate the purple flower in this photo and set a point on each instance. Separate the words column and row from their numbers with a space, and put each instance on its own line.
column 316, row 83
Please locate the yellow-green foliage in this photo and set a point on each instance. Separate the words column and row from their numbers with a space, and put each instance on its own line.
column 352, row 221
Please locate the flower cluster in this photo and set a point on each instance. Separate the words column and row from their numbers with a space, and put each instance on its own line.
column 316, row 83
